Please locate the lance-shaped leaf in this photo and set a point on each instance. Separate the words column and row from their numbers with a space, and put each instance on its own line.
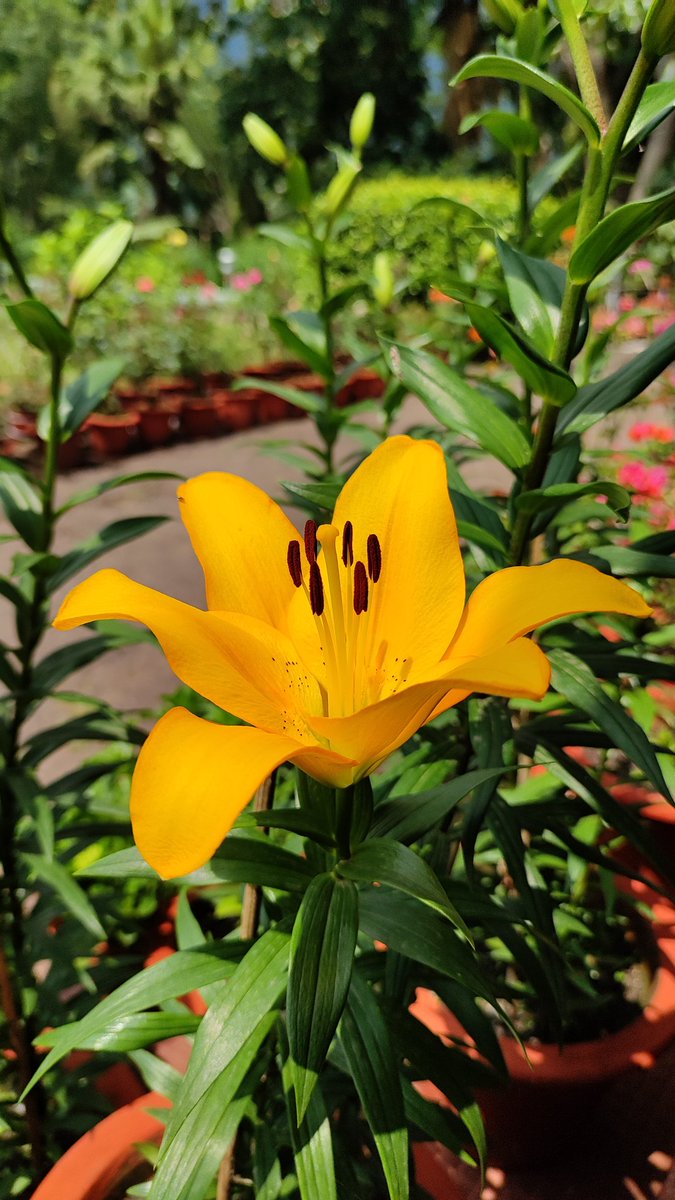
column 41, row 327
column 574, row 680
column 304, row 340
column 134, row 1032
column 543, row 377
column 493, row 66
column 627, row 561
column 310, row 1138
column 657, row 102
column 592, row 403
column 309, row 401
column 536, row 288
column 381, row 860
column 322, row 956
column 365, row 1039
column 81, row 397
column 517, row 134
column 108, row 538
column 118, row 481
column 557, row 495
column 458, row 405
column 22, row 503
column 476, row 219
column 406, row 818
column 617, row 232
column 56, row 876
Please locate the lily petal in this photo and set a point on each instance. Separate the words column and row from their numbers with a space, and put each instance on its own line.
column 370, row 735
column 191, row 781
column 400, row 493
column 238, row 662
column 240, row 536
column 518, row 599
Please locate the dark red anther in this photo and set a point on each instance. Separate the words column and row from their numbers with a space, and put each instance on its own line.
column 360, row 589
column 294, row 561
column 374, row 557
column 310, row 541
column 316, row 589
column 348, row 544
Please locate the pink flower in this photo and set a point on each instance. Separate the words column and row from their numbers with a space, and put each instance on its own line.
column 245, row 280
column 208, row 290
column 647, row 481
column 145, row 283
column 664, row 323
column 627, row 303
column 635, row 327
column 647, row 431
column 255, row 276
column 640, row 266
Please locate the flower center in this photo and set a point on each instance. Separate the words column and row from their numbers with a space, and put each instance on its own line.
column 339, row 591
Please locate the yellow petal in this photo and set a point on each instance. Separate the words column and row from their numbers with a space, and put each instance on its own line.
column 371, row 734
column 518, row 669
column 191, row 781
column 240, row 536
column 238, row 662
column 514, row 601
column 400, row 493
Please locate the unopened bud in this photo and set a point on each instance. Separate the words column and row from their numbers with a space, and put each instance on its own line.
column 97, row 261
column 264, row 139
column 361, row 124
column 383, row 280
column 658, row 31
column 339, row 189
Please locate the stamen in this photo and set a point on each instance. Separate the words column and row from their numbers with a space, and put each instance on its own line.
column 294, row 563
column 360, row 589
column 316, row 597
column 374, row 557
column 310, row 541
column 348, row 544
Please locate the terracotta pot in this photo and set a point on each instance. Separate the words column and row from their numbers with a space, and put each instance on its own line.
column 212, row 380
column 277, row 369
column 112, row 435
column 106, row 1161
column 306, row 383
column 272, row 408
column 73, row 452
column 20, row 423
column 238, row 409
column 437, row 1171
column 550, row 1100
column 180, row 385
column 160, row 422
column 199, row 418
column 365, row 384
column 131, row 398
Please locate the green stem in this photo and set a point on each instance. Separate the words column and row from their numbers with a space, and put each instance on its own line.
column 344, row 803
column 329, row 432
column 522, row 180
column 12, row 260
column 583, row 66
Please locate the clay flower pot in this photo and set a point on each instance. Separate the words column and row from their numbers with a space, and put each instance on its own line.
column 212, row 380
column 271, row 408
column 236, row 409
column 103, row 1163
column 278, row 369
column 111, row 436
column 364, row 384
column 160, row 421
column 199, row 417
column 73, row 452
column 550, row 1099
column 179, row 385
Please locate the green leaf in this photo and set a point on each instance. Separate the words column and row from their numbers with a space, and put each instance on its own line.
column 106, row 539
column 309, row 401
column 174, row 976
column 406, row 818
column 544, row 180
column 287, row 237
column 519, row 135
column 258, row 861
column 156, row 1074
column 311, row 1141
column 543, row 377
column 616, row 233
column 369, row 1051
column 458, row 405
column 478, row 219
column 252, row 992
column 296, row 820
column 322, row 956
column 57, row 877
column 22, row 503
column 574, row 680
column 109, row 485
column 101, row 725
column 493, row 66
column 560, row 494
column 305, row 348
column 413, row 929
column 594, row 402
column 57, row 666
column 626, row 561
column 41, row 327
column 81, row 397
column 381, row 860
column 536, row 288
column 133, row 1032
column 658, row 101
column 321, row 495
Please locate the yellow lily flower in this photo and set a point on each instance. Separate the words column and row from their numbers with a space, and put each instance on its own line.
column 334, row 647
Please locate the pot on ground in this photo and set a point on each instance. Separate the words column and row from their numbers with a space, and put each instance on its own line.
column 236, row 410
column 364, row 384
column 106, row 1160
column 112, row 435
column 550, row 1099
column 160, row 421
column 199, row 417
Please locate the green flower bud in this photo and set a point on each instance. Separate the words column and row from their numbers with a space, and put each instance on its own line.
column 97, row 261
column 504, row 13
column 299, row 187
column 658, row 31
column 361, row 124
column 383, row 280
column 340, row 187
column 263, row 139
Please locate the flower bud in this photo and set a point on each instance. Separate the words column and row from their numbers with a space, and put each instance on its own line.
column 340, row 187
column 658, row 31
column 263, row 139
column 99, row 258
column 504, row 13
column 383, row 280
column 361, row 124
